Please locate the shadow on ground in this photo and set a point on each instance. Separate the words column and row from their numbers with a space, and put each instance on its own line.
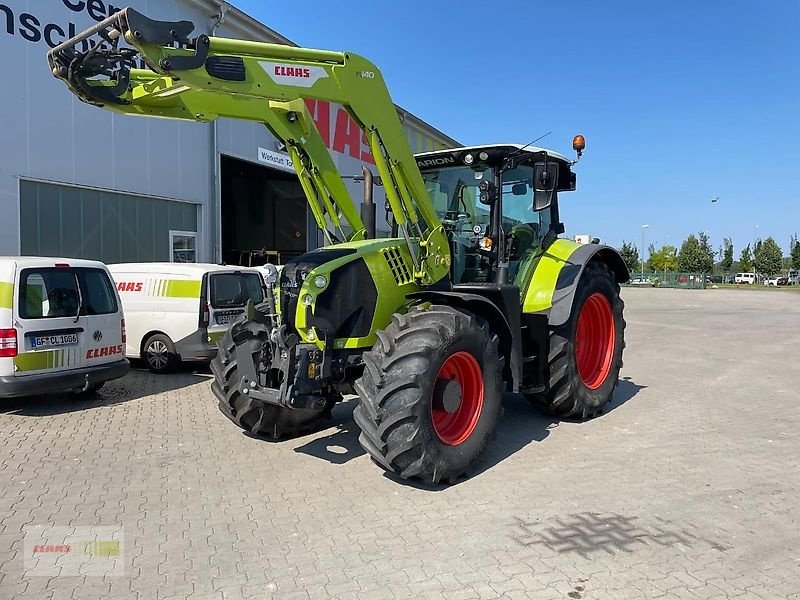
column 341, row 445
column 519, row 426
column 138, row 383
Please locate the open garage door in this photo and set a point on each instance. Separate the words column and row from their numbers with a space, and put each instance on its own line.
column 264, row 214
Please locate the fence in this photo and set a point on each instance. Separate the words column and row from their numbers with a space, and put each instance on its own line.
column 689, row 281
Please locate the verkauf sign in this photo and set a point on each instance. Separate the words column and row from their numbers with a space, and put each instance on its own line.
column 278, row 160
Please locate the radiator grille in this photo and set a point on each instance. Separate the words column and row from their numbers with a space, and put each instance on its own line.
column 398, row 266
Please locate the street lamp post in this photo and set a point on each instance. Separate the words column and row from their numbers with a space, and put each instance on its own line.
column 643, row 228
column 755, row 237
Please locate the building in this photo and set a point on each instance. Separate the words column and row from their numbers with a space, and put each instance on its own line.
column 78, row 181
column 586, row 239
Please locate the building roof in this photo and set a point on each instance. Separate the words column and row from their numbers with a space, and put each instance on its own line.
column 250, row 28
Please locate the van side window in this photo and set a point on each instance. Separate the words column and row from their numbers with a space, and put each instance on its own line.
column 97, row 292
column 48, row 293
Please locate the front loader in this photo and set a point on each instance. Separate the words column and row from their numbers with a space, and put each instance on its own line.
column 473, row 295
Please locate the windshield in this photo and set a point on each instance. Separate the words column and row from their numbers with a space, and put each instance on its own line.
column 454, row 192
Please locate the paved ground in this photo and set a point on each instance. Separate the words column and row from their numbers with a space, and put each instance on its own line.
column 687, row 488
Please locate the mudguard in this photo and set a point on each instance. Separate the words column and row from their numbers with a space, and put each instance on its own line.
column 558, row 272
column 498, row 305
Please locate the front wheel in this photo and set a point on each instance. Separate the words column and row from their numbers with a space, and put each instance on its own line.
column 430, row 393
column 586, row 352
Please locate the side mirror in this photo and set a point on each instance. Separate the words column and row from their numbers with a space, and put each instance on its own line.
column 545, row 181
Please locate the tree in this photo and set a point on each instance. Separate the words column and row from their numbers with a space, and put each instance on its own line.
column 746, row 260
column 794, row 253
column 768, row 257
column 630, row 254
column 664, row 259
column 727, row 256
column 696, row 255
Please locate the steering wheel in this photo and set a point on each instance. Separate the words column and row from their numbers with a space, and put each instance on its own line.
column 522, row 236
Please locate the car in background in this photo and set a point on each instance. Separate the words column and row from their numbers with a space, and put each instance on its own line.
column 715, row 279
column 747, row 278
column 776, row 281
column 176, row 312
column 640, row 281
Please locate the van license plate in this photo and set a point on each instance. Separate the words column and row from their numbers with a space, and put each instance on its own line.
column 49, row 341
column 226, row 318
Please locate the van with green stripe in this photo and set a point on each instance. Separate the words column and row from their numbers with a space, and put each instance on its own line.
column 177, row 311
column 61, row 326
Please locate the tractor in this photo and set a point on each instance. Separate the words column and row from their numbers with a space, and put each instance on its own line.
column 473, row 295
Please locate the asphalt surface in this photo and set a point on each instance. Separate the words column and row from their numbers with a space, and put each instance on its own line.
column 687, row 487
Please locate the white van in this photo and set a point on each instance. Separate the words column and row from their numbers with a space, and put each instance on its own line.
column 177, row 311
column 749, row 278
column 61, row 326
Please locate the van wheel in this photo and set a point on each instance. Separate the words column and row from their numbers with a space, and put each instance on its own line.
column 159, row 354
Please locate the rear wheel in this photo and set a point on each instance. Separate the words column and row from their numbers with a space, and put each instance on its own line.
column 252, row 415
column 159, row 354
column 430, row 393
column 586, row 352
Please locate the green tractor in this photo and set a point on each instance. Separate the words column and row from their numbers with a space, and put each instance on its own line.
column 473, row 295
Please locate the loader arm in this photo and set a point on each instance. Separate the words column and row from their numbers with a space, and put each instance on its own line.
column 203, row 78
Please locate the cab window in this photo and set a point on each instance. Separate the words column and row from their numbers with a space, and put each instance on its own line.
column 235, row 289
column 48, row 293
column 524, row 228
column 454, row 192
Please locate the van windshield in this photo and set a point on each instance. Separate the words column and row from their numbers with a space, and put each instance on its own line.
column 235, row 289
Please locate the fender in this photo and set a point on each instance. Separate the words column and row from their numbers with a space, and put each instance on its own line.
column 570, row 275
column 499, row 306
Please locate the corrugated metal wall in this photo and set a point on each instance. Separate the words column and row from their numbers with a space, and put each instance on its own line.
column 60, row 220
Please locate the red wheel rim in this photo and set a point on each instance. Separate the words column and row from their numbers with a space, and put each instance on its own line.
column 594, row 341
column 456, row 426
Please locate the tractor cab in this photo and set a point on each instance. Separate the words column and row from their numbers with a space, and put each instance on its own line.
column 498, row 205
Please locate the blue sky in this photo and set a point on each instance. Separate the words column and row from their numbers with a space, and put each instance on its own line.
column 679, row 101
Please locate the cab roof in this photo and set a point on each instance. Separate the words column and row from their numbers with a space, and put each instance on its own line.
column 488, row 147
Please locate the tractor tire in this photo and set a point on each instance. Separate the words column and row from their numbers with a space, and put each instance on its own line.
column 258, row 418
column 585, row 354
column 430, row 393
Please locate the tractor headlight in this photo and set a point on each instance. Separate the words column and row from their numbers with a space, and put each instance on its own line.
column 308, row 300
column 483, row 155
column 320, row 281
column 468, row 159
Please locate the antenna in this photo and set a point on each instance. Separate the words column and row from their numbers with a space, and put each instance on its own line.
column 519, row 150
